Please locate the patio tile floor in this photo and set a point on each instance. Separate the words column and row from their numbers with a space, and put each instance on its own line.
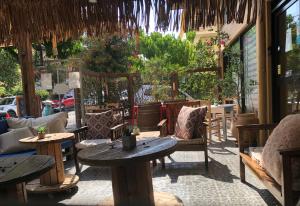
column 184, row 176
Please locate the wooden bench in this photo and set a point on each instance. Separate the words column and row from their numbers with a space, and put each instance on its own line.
column 195, row 144
column 284, row 193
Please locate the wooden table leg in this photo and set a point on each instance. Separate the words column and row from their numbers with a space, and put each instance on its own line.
column 13, row 194
column 224, row 125
column 132, row 184
column 56, row 174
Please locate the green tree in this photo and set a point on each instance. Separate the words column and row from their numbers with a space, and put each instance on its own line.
column 10, row 72
column 110, row 54
column 65, row 49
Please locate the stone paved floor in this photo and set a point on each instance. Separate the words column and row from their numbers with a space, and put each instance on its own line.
column 184, row 176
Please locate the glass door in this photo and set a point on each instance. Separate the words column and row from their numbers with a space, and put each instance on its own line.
column 286, row 70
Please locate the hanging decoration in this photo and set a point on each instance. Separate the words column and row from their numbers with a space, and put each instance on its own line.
column 46, row 81
column 74, row 80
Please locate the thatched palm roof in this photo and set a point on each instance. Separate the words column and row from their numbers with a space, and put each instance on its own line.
column 64, row 18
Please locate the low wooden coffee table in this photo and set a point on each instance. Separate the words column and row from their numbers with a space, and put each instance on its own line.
column 55, row 180
column 131, row 173
column 15, row 171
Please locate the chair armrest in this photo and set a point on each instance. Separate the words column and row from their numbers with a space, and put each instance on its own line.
column 242, row 141
column 256, row 127
column 162, row 123
column 290, row 152
column 79, row 130
column 118, row 131
column 162, row 126
column 80, row 133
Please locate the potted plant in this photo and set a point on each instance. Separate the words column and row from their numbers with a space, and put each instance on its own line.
column 41, row 132
column 129, row 140
column 233, row 88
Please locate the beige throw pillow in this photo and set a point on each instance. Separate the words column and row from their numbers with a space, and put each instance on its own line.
column 55, row 123
column 285, row 136
column 9, row 142
column 15, row 123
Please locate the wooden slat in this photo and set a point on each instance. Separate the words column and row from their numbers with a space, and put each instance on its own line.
column 268, row 181
column 59, row 163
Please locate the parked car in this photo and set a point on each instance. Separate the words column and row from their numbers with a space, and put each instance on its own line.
column 67, row 101
column 8, row 105
column 4, row 115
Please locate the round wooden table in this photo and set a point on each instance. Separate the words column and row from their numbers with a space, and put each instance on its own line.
column 54, row 180
column 14, row 171
column 131, row 173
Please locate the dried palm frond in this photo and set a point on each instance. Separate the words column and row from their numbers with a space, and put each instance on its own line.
column 65, row 18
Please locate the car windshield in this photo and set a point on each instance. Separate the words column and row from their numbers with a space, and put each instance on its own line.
column 6, row 101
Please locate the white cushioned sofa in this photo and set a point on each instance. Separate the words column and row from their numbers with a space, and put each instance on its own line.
column 21, row 128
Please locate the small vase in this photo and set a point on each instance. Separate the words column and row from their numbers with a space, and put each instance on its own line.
column 41, row 135
column 129, row 142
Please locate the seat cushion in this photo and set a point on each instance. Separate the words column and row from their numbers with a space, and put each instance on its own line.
column 90, row 143
column 99, row 125
column 256, row 154
column 3, row 126
column 186, row 121
column 9, row 142
column 284, row 136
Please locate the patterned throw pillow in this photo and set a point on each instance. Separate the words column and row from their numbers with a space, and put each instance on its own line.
column 199, row 126
column 185, row 123
column 284, row 136
column 99, row 125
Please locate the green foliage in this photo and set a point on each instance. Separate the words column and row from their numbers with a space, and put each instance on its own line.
column 44, row 94
column 10, row 72
column 3, row 92
column 110, row 54
column 231, row 84
column 17, row 89
column 162, row 55
column 65, row 49
column 41, row 129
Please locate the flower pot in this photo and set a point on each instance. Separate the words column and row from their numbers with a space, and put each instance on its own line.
column 245, row 119
column 41, row 135
column 129, row 142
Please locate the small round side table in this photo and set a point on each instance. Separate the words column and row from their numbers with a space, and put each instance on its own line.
column 54, row 180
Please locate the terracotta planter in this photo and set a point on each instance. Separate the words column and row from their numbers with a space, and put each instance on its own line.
column 245, row 119
column 41, row 135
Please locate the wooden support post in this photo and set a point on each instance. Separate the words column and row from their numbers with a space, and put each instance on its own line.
column 130, row 93
column 77, row 107
column 268, row 14
column 261, row 52
column 25, row 57
column 174, row 84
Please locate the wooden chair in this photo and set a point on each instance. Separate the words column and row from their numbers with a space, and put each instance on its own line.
column 284, row 192
column 195, row 144
column 213, row 121
column 81, row 141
